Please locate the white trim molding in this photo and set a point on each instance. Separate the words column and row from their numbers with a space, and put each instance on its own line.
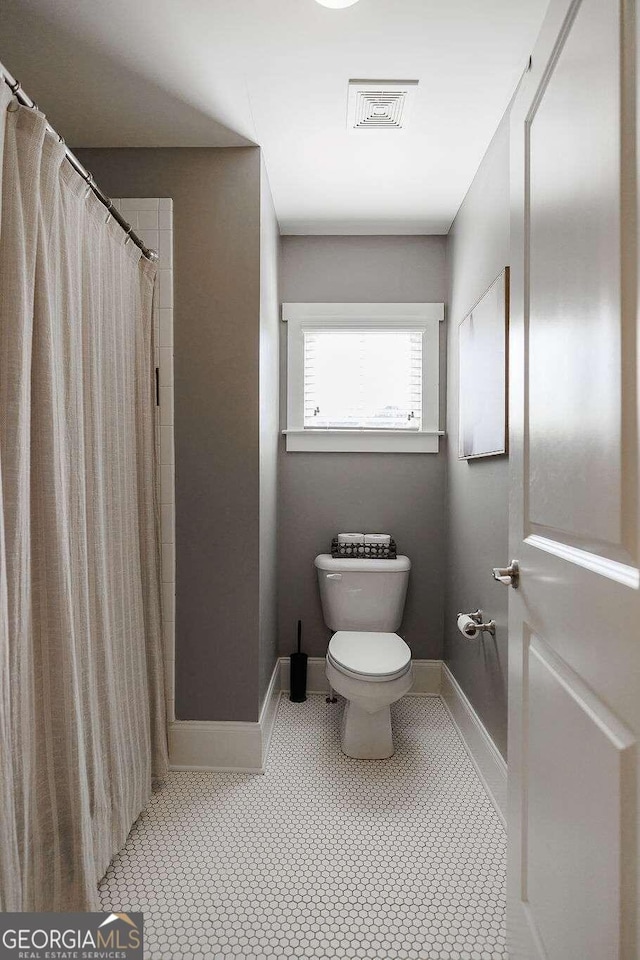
column 363, row 441
column 621, row 572
column 302, row 318
column 488, row 761
column 364, row 312
column 426, row 677
column 243, row 747
column 316, row 677
column 221, row 745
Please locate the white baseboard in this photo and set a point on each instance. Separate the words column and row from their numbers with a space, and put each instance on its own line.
column 487, row 759
column 316, row 678
column 426, row 674
column 427, row 678
column 269, row 711
column 222, row 745
column 244, row 747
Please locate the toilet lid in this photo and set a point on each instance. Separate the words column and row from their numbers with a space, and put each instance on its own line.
column 370, row 655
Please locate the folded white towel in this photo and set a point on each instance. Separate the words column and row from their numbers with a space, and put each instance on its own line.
column 351, row 538
column 381, row 538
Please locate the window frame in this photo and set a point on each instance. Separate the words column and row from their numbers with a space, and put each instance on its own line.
column 301, row 317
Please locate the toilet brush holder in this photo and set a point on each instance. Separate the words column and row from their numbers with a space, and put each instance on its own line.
column 298, row 672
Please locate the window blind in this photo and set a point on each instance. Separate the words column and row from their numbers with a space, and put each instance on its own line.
column 363, row 379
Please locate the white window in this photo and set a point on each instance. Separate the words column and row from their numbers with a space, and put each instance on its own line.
column 363, row 376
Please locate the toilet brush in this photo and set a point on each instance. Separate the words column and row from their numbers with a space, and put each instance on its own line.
column 298, row 675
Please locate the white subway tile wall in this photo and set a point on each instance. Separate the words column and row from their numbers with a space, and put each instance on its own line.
column 152, row 220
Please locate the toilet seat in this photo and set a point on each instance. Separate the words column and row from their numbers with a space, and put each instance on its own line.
column 369, row 656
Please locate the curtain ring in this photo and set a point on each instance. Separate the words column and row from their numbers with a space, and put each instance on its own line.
column 109, row 208
column 128, row 236
column 89, row 182
column 15, row 104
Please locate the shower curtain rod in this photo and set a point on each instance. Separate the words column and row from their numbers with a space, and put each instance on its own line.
column 26, row 101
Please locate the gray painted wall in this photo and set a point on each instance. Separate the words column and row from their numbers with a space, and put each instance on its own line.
column 226, row 296
column 322, row 493
column 478, row 491
column 216, row 194
column 269, row 429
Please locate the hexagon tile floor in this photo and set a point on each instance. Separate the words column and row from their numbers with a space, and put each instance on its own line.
column 323, row 856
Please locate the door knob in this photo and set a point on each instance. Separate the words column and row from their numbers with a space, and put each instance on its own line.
column 508, row 575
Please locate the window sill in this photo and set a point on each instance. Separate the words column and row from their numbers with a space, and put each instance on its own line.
column 365, row 441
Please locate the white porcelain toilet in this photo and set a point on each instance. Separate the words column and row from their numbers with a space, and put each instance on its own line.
column 367, row 663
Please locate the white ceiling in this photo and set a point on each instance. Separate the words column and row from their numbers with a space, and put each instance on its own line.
column 275, row 72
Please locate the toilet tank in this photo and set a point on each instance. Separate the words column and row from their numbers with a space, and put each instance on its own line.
column 363, row 594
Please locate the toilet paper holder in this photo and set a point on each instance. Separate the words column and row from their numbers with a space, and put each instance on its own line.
column 478, row 618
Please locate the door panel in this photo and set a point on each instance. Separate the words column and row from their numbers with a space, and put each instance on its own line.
column 574, row 621
column 574, row 289
column 578, row 753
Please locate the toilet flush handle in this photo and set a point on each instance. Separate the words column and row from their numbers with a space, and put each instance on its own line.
column 334, row 576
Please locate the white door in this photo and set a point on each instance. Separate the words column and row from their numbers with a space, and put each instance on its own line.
column 574, row 621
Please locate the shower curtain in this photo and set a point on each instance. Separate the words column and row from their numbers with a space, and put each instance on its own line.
column 82, row 729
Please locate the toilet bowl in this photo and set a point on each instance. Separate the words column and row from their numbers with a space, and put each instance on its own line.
column 367, row 662
column 371, row 671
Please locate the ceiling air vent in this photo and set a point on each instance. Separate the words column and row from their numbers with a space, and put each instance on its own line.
column 379, row 104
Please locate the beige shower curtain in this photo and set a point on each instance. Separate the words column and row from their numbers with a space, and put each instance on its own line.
column 82, row 728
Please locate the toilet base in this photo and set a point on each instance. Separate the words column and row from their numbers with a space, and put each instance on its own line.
column 366, row 722
column 365, row 735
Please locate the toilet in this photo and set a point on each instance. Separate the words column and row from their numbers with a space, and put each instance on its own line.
column 367, row 662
